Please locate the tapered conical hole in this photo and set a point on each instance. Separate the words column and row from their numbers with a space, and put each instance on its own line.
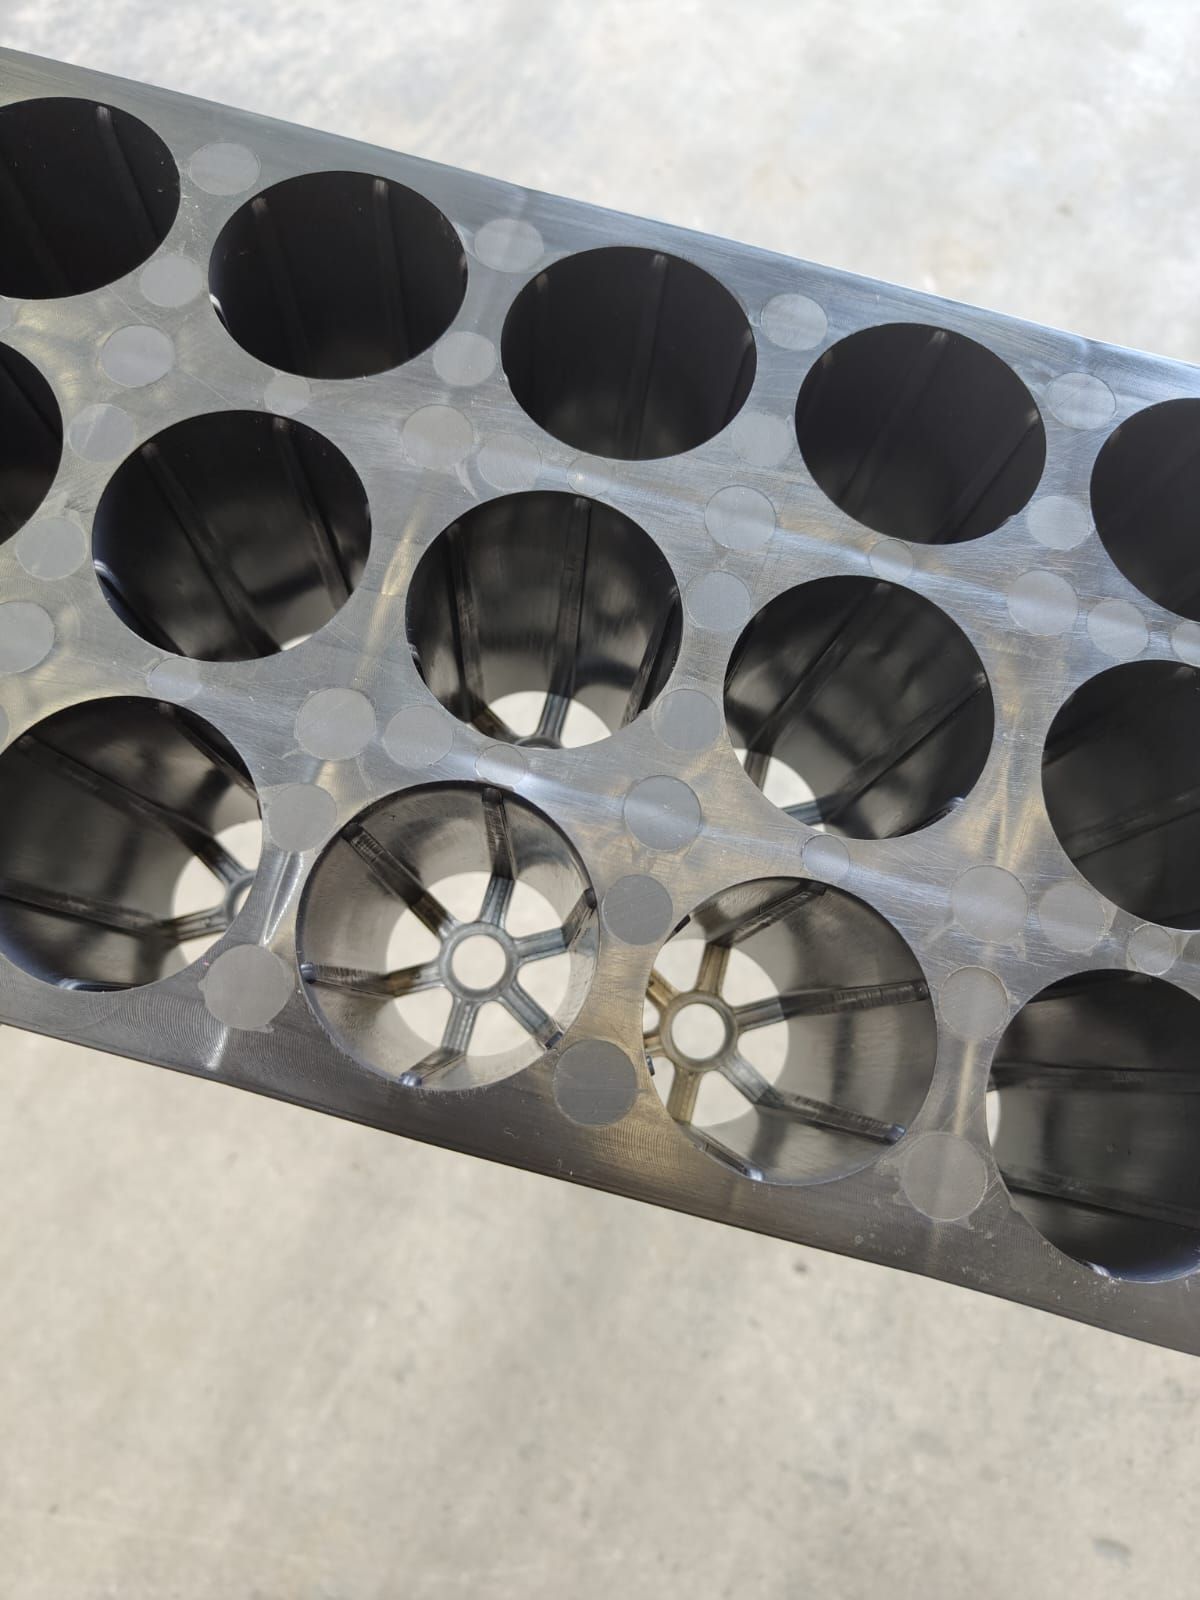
column 1099, row 1122
column 552, row 596
column 869, row 698
column 920, row 433
column 31, row 439
column 104, row 810
column 87, row 193
column 400, row 905
column 1145, row 490
column 337, row 275
column 827, row 1036
column 628, row 353
column 228, row 536
column 1121, row 777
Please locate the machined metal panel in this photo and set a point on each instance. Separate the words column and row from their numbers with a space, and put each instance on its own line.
column 724, row 731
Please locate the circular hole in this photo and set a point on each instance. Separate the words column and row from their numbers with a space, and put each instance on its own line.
column 1099, row 1095
column 870, row 697
column 920, row 433
column 228, row 536
column 628, row 353
column 87, row 193
column 104, row 808
column 1121, row 775
column 545, row 595
column 337, row 275
column 30, row 440
column 382, row 920
column 478, row 962
column 698, row 1031
column 824, row 1032
column 1145, row 488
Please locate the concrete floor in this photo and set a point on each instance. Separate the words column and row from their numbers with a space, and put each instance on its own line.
column 250, row 1352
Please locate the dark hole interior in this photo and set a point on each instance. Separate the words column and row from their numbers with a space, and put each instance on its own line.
column 337, row 275
column 230, row 535
column 552, row 594
column 920, row 433
column 87, row 193
column 1099, row 1121
column 871, row 695
column 1145, row 494
column 30, row 440
column 628, row 353
column 1121, row 776
column 102, row 807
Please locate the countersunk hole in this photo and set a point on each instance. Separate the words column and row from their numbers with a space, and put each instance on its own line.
column 415, row 886
column 870, row 698
column 920, row 433
column 1145, row 490
column 789, row 1031
column 1099, row 1093
column 230, row 536
column 337, row 275
column 1121, row 777
column 31, row 438
column 104, row 810
column 628, row 353
column 87, row 193
column 544, row 594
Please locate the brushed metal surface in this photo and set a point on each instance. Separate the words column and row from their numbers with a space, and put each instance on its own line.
column 472, row 537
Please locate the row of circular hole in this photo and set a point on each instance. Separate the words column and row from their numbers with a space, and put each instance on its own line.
column 878, row 470
column 914, row 431
column 788, row 1026
column 863, row 708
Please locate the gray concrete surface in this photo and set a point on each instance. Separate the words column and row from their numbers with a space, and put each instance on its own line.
column 247, row 1351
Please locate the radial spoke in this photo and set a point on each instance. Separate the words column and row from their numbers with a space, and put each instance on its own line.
column 819, row 1113
column 681, row 1097
column 1098, row 1197
column 739, row 926
column 660, row 991
column 196, row 925
column 713, row 963
column 326, row 550
column 572, row 584
column 238, row 605
column 853, row 626
column 519, row 1003
column 491, row 724
column 906, row 743
column 724, row 1154
column 81, row 908
column 539, row 946
column 643, row 681
column 577, row 918
column 464, row 613
column 399, row 879
column 435, row 1065
column 756, row 766
column 550, row 723
column 1078, row 1077
column 500, row 852
column 375, row 985
column 822, row 1002
column 130, row 803
column 460, row 1024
